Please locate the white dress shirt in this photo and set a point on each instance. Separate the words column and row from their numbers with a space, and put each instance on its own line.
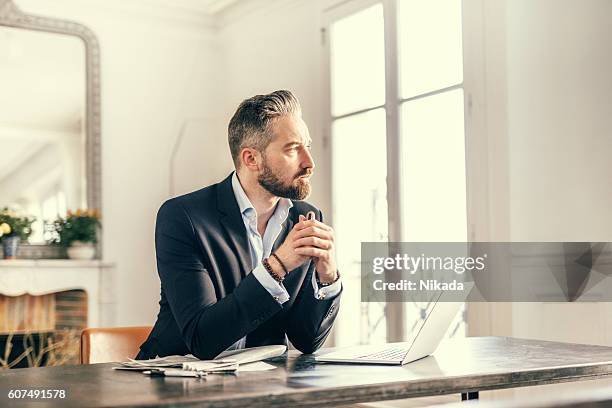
column 261, row 247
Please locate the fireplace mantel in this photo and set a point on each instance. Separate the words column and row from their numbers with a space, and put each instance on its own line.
column 44, row 276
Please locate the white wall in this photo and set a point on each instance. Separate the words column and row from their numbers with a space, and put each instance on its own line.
column 157, row 71
column 538, row 72
column 548, row 120
column 560, row 119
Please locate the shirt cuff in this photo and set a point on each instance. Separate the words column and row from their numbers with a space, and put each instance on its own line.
column 276, row 290
column 325, row 292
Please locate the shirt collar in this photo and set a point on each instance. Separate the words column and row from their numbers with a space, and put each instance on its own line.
column 282, row 207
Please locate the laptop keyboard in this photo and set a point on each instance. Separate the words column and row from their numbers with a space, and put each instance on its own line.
column 387, row 354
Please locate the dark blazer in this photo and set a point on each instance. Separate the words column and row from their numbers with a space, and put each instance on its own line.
column 209, row 300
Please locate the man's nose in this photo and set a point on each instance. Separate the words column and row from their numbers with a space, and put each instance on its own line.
column 308, row 161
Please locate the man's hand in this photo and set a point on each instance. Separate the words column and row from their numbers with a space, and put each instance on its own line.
column 310, row 239
column 315, row 239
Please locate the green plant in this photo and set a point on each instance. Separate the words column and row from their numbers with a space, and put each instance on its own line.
column 80, row 225
column 13, row 225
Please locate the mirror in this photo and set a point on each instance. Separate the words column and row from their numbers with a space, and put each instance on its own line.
column 49, row 117
column 42, row 125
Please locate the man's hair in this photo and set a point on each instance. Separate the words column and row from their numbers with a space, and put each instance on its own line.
column 250, row 125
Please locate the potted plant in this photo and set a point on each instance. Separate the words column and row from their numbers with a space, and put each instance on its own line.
column 13, row 230
column 78, row 233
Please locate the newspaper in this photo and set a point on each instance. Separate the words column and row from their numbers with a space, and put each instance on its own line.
column 228, row 361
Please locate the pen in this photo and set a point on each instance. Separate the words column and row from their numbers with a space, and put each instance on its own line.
column 174, row 373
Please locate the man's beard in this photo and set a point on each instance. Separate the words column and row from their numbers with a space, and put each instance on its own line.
column 270, row 181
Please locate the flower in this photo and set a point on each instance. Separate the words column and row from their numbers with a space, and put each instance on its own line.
column 12, row 224
column 78, row 225
column 5, row 229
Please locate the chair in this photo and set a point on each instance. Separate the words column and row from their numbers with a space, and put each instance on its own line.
column 111, row 344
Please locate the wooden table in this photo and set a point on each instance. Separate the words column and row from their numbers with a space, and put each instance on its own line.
column 458, row 366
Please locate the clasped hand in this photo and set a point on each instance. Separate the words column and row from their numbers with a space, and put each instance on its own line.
column 310, row 239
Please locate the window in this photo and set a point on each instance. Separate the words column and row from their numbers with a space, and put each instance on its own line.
column 359, row 138
column 358, row 62
column 430, row 46
column 397, row 143
column 360, row 210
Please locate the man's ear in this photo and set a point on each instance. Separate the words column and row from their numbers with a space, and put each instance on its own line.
column 251, row 159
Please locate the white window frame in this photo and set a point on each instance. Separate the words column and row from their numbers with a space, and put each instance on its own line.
column 473, row 75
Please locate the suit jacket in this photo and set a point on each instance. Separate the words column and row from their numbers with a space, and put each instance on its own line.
column 209, row 298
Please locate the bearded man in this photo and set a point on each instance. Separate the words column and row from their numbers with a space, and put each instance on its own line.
column 245, row 262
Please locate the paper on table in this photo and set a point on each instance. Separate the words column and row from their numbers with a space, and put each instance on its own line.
column 212, row 365
column 168, row 361
column 241, row 356
column 256, row 366
column 220, row 363
column 251, row 354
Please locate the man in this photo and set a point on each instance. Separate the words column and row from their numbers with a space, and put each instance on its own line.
column 239, row 262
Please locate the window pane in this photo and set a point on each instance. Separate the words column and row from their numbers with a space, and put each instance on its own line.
column 433, row 169
column 430, row 45
column 359, row 214
column 357, row 58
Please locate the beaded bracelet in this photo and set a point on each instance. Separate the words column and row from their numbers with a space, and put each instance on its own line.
column 280, row 263
column 322, row 285
column 276, row 277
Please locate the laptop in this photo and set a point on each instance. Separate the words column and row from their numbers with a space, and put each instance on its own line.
column 425, row 341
